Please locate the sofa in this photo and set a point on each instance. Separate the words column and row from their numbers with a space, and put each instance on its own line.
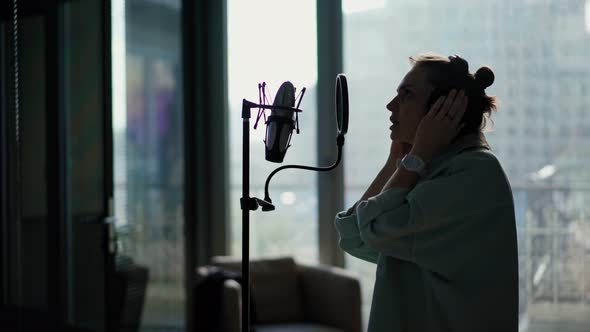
column 287, row 296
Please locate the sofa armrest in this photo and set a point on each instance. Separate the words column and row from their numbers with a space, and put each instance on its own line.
column 232, row 306
column 331, row 296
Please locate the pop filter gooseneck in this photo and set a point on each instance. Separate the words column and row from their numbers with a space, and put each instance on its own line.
column 342, row 123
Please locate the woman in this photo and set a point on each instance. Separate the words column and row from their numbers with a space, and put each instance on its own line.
column 438, row 220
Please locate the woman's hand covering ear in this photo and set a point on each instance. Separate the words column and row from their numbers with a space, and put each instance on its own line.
column 440, row 126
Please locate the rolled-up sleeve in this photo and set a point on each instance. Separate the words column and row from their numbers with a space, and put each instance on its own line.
column 350, row 239
column 386, row 223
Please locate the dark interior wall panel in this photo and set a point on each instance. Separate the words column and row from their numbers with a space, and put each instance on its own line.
column 62, row 86
column 33, row 166
column 4, row 227
column 8, row 180
column 5, row 10
column 35, row 281
column 33, row 117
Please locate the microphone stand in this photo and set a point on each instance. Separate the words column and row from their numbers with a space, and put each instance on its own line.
column 248, row 203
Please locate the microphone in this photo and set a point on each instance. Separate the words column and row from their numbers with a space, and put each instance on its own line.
column 280, row 124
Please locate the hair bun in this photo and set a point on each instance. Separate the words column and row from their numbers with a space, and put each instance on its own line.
column 484, row 76
column 459, row 63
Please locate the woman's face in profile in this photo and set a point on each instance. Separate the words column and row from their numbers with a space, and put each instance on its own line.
column 408, row 107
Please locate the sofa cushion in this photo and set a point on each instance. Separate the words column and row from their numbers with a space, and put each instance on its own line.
column 274, row 286
column 295, row 328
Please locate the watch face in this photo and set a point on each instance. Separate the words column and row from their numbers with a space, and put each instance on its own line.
column 412, row 163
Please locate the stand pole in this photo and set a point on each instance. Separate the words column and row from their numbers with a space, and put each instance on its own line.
column 245, row 216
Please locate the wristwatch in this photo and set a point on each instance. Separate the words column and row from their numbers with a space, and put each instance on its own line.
column 413, row 163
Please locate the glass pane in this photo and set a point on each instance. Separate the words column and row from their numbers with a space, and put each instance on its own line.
column 257, row 52
column 539, row 52
column 148, row 152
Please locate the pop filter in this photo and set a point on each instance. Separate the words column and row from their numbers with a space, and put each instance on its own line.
column 342, row 104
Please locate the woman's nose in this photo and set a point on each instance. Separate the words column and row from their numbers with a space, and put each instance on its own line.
column 391, row 105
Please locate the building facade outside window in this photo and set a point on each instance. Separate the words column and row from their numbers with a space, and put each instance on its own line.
column 539, row 52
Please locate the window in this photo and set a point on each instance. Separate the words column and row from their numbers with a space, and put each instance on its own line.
column 274, row 41
column 555, row 277
column 149, row 153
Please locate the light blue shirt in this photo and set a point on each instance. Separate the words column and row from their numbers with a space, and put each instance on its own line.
column 446, row 251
